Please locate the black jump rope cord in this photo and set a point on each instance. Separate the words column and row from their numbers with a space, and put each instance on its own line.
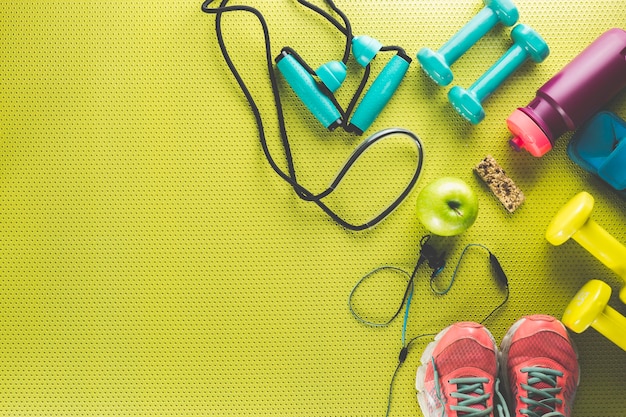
column 307, row 195
column 290, row 177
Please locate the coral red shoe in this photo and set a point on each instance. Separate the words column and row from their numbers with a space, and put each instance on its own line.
column 540, row 367
column 458, row 373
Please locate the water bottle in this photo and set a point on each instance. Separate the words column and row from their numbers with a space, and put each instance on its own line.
column 572, row 96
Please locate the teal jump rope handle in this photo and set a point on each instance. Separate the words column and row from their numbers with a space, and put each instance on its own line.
column 379, row 94
column 306, row 88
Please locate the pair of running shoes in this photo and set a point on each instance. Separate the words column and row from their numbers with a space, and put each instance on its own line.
column 534, row 372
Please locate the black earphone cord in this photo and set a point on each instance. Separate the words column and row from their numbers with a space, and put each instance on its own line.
column 428, row 255
column 404, row 351
column 290, row 177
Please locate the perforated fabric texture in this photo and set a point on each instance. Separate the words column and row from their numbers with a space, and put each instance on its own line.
column 152, row 263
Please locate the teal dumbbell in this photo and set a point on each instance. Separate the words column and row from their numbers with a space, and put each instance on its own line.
column 528, row 44
column 437, row 63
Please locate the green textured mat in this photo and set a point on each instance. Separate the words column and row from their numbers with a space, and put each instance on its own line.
column 152, row 263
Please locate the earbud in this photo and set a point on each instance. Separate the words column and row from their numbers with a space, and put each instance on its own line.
column 436, row 261
column 497, row 268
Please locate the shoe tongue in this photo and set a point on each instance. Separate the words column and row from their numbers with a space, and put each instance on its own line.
column 539, row 384
column 539, row 410
column 478, row 406
column 542, row 385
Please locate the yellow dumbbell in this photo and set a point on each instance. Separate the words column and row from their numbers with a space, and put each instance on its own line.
column 590, row 308
column 573, row 221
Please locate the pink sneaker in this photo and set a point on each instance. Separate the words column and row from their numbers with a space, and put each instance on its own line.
column 458, row 372
column 540, row 367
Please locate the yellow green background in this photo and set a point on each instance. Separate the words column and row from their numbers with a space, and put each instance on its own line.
column 151, row 262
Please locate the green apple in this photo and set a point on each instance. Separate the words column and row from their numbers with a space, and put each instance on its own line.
column 447, row 206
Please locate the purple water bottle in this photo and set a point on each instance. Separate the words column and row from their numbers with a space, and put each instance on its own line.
column 572, row 96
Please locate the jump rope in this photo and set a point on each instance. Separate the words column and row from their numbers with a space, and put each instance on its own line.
column 290, row 177
column 427, row 253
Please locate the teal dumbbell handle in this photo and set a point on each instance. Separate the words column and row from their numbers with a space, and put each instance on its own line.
column 437, row 64
column 472, row 32
column 305, row 87
column 380, row 92
column 528, row 45
column 499, row 72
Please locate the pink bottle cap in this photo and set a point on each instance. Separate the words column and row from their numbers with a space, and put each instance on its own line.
column 527, row 135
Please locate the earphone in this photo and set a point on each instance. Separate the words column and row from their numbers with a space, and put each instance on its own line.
column 321, row 99
column 316, row 88
column 436, row 261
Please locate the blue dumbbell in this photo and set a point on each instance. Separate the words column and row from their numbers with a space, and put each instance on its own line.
column 528, row 44
column 437, row 64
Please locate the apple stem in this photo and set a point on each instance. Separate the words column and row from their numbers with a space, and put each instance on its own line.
column 454, row 205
